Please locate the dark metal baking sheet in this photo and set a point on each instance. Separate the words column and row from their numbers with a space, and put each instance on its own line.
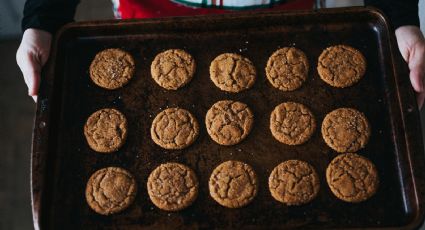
column 62, row 162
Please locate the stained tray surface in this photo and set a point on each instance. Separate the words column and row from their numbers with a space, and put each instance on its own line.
column 72, row 97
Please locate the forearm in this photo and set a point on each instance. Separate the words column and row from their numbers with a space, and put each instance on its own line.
column 400, row 12
column 48, row 15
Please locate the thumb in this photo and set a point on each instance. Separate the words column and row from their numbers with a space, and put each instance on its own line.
column 31, row 68
column 417, row 69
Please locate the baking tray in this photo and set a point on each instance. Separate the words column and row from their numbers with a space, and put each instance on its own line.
column 62, row 162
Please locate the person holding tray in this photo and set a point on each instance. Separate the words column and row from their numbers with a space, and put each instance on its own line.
column 42, row 19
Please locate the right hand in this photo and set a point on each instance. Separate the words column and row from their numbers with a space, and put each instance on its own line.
column 31, row 56
column 411, row 44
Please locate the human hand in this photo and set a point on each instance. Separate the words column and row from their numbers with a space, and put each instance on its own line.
column 31, row 56
column 411, row 44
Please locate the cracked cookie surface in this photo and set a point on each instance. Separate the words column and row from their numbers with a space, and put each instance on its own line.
column 352, row 178
column 233, row 184
column 173, row 69
column 345, row 130
column 292, row 123
column 174, row 128
column 229, row 122
column 112, row 68
column 110, row 190
column 294, row 182
column 106, row 130
column 172, row 186
column 341, row 66
column 232, row 72
column 287, row 68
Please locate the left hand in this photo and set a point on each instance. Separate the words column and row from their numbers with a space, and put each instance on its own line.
column 411, row 44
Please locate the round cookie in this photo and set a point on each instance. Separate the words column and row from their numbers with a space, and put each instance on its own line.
column 233, row 184
column 229, row 122
column 110, row 190
column 106, row 130
column 345, row 130
column 341, row 66
column 294, row 182
column 292, row 123
column 174, row 128
column 173, row 69
column 287, row 68
column 172, row 186
column 232, row 72
column 352, row 178
column 112, row 68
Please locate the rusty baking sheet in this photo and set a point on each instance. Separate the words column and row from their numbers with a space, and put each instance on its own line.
column 62, row 162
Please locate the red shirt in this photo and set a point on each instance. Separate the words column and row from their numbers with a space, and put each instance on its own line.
column 166, row 8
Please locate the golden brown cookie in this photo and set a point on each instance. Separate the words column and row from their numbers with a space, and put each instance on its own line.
column 106, row 130
column 345, row 130
column 229, row 122
column 294, row 182
column 292, row 123
column 172, row 186
column 232, row 72
column 174, row 128
column 287, row 68
column 112, row 68
column 341, row 66
column 352, row 178
column 110, row 190
column 173, row 69
column 233, row 184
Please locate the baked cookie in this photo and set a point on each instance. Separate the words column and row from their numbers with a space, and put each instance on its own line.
column 106, row 130
column 341, row 66
column 232, row 72
column 173, row 69
column 110, row 190
column 292, row 123
column 294, row 182
column 174, row 128
column 229, row 122
column 112, row 68
column 287, row 68
column 345, row 130
column 233, row 184
column 352, row 178
column 172, row 186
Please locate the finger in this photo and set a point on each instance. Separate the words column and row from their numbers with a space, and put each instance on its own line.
column 420, row 98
